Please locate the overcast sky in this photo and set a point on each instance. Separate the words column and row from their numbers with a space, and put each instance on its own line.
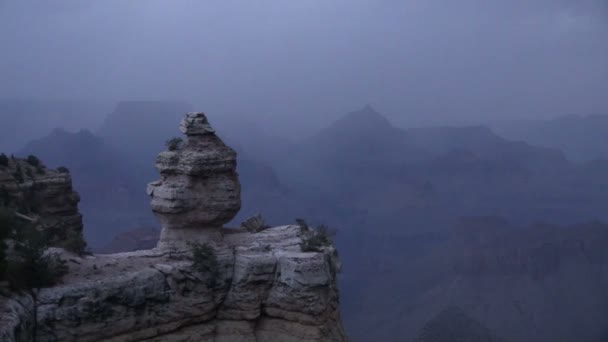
column 417, row 61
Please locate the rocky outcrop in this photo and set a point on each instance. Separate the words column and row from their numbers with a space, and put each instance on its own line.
column 43, row 195
column 266, row 290
column 199, row 189
column 258, row 286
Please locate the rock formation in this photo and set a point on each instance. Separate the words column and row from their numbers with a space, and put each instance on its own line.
column 42, row 195
column 199, row 189
column 267, row 290
column 262, row 288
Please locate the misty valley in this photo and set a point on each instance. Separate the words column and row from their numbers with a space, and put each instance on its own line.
column 455, row 229
column 304, row 171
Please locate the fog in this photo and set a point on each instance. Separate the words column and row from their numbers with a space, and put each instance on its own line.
column 301, row 64
column 459, row 148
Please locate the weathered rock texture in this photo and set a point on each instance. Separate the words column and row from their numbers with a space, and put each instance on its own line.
column 42, row 194
column 267, row 290
column 199, row 187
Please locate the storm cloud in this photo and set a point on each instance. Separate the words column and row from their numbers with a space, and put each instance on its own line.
column 306, row 62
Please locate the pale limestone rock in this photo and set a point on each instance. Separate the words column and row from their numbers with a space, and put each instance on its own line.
column 45, row 195
column 266, row 289
column 199, row 187
column 265, row 292
column 196, row 123
column 16, row 317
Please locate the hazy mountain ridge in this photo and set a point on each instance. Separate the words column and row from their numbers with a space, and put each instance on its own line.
column 113, row 168
column 581, row 137
column 22, row 120
column 393, row 194
column 459, row 170
column 109, row 180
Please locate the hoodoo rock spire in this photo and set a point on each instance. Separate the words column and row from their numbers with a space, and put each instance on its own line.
column 199, row 190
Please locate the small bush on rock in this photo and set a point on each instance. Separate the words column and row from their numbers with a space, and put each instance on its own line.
column 204, row 260
column 18, row 174
column 31, row 202
column 31, row 267
column 75, row 243
column 5, row 196
column 6, row 223
column 33, row 160
column 302, row 224
column 2, row 259
column 174, row 144
column 63, row 169
column 3, row 160
column 315, row 239
column 34, row 270
column 255, row 224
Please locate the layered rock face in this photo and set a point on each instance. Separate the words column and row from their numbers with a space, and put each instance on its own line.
column 44, row 195
column 266, row 290
column 263, row 288
column 199, row 189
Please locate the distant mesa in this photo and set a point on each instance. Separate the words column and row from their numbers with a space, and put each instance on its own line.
column 367, row 119
column 122, row 129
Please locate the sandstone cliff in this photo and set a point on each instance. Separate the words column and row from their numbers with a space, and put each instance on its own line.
column 44, row 195
column 199, row 190
column 264, row 287
column 267, row 290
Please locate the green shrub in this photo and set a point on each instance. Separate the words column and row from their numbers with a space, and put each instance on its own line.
column 303, row 225
column 63, row 169
column 2, row 259
column 30, row 267
column 3, row 160
column 74, row 242
column 5, row 196
column 18, row 174
column 6, row 224
column 33, row 160
column 315, row 239
column 204, row 260
column 174, row 144
column 255, row 224
column 31, row 201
